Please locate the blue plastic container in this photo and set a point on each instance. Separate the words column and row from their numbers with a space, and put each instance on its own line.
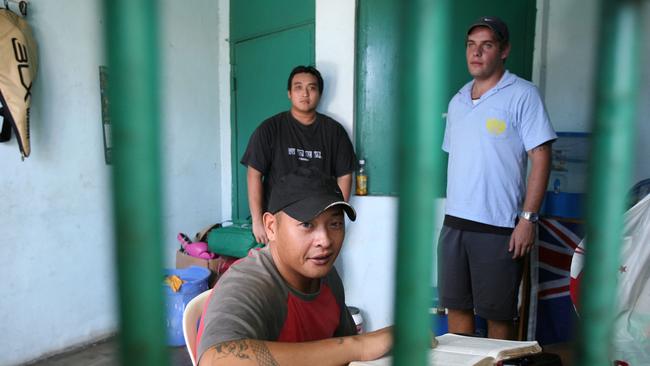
column 196, row 282
column 439, row 322
column 440, row 326
column 563, row 205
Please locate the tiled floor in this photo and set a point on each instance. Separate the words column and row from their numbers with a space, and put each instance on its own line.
column 105, row 353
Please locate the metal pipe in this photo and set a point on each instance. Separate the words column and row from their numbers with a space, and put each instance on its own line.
column 423, row 92
column 132, row 49
column 609, row 173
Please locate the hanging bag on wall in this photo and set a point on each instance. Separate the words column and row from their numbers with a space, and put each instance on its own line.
column 18, row 66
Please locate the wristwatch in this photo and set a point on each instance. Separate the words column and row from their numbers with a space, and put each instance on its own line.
column 530, row 216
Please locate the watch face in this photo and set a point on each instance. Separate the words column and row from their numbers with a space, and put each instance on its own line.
column 530, row 216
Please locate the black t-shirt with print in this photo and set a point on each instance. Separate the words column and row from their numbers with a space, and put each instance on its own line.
column 281, row 143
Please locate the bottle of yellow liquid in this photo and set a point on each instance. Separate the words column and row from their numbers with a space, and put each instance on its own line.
column 362, row 179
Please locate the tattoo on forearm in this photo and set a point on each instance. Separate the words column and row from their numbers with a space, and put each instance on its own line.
column 262, row 354
column 238, row 349
column 339, row 340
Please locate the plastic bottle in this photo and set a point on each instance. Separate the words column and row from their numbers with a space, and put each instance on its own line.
column 362, row 179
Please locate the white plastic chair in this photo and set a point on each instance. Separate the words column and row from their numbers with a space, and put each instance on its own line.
column 191, row 316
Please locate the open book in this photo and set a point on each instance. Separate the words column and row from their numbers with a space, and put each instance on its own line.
column 457, row 350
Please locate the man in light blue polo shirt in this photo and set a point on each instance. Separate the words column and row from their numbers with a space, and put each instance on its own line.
column 495, row 123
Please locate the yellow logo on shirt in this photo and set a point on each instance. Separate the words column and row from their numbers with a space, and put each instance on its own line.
column 495, row 126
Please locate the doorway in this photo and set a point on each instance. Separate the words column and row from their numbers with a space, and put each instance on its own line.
column 263, row 53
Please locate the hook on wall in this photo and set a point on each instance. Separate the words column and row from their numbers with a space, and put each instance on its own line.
column 22, row 6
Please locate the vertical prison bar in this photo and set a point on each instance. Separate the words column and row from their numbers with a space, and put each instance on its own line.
column 132, row 49
column 423, row 90
column 132, row 52
column 609, row 173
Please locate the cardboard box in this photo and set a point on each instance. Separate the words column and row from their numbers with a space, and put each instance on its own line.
column 217, row 266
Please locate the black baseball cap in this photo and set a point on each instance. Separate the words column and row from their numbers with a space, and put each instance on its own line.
column 305, row 193
column 497, row 26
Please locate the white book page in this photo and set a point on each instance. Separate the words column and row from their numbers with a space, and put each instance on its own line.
column 442, row 358
column 457, row 350
column 438, row 358
column 384, row 361
column 495, row 348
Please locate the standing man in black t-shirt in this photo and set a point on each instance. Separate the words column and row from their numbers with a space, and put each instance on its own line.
column 298, row 137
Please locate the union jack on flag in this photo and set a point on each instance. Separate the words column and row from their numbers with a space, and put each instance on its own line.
column 557, row 243
column 558, row 240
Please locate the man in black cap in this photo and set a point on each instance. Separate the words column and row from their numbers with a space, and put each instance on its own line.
column 284, row 304
column 495, row 123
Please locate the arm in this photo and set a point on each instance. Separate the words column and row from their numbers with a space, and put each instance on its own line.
column 331, row 351
column 345, row 183
column 523, row 236
column 255, row 199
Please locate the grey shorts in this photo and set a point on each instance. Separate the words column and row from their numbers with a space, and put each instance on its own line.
column 476, row 271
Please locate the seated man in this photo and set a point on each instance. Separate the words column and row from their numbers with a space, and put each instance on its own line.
column 285, row 304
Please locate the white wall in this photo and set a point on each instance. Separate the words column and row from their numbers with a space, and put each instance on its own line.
column 335, row 31
column 56, row 252
column 194, row 151
column 566, row 56
column 367, row 261
column 56, row 255
column 565, row 67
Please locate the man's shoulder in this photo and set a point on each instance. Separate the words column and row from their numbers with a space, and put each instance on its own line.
column 519, row 84
column 255, row 272
column 272, row 126
column 334, row 281
column 464, row 91
column 276, row 119
column 328, row 121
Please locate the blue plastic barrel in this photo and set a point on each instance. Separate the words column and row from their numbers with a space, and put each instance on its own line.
column 196, row 282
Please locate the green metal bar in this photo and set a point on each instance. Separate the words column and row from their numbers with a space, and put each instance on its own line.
column 423, row 92
column 131, row 35
column 609, row 173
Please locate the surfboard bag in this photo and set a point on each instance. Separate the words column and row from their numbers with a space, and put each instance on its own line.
column 18, row 66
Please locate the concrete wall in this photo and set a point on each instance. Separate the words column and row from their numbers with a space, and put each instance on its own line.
column 56, row 252
column 565, row 69
column 367, row 261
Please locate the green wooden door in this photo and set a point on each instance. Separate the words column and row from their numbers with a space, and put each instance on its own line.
column 267, row 40
column 377, row 112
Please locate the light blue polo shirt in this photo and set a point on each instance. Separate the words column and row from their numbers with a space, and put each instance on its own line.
column 487, row 144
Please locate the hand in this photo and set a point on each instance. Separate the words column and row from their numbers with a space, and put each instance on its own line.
column 522, row 238
column 375, row 344
column 259, row 233
column 434, row 341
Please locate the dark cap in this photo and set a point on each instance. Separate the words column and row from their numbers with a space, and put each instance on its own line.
column 305, row 193
column 497, row 26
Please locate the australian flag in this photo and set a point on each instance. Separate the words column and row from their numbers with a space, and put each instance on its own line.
column 556, row 316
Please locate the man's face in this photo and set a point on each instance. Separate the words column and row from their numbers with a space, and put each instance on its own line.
column 304, row 94
column 485, row 57
column 304, row 252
